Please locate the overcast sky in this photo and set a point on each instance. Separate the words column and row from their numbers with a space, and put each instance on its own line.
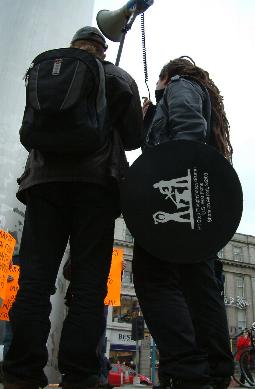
column 220, row 36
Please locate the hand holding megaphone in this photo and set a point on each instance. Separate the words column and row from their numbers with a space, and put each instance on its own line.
column 138, row 6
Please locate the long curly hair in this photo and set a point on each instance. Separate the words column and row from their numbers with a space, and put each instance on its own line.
column 220, row 126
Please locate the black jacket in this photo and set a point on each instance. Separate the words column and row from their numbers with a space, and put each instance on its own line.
column 108, row 162
column 183, row 113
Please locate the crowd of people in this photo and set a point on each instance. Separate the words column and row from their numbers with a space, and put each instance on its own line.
column 74, row 197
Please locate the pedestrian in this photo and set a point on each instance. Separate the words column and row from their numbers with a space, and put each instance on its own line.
column 71, row 197
column 182, row 303
column 244, row 342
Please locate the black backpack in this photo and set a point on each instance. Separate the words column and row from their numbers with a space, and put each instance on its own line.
column 66, row 110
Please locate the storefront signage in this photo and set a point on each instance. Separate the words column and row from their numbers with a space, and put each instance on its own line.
column 121, row 337
column 124, row 338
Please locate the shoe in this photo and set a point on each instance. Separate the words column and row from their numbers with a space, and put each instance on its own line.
column 21, row 385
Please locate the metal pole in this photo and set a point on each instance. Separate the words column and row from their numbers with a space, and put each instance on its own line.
column 136, row 380
column 153, row 362
column 137, row 356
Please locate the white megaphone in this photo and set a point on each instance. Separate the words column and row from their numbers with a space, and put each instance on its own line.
column 114, row 23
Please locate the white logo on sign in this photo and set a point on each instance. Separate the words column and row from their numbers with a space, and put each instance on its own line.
column 178, row 190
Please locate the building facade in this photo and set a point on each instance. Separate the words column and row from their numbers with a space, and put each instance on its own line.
column 238, row 258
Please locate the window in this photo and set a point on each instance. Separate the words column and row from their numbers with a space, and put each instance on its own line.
column 129, row 308
column 240, row 286
column 237, row 253
column 241, row 319
column 128, row 237
column 225, row 283
column 127, row 277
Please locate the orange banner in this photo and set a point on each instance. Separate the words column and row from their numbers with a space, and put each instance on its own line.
column 114, row 279
column 7, row 243
column 12, row 288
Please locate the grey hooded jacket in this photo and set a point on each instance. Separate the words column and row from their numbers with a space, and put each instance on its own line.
column 183, row 113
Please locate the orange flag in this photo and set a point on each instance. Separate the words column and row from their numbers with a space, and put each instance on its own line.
column 7, row 243
column 12, row 288
column 114, row 279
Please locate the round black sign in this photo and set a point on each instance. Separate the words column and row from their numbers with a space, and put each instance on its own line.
column 182, row 201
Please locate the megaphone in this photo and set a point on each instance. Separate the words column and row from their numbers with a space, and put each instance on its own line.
column 112, row 23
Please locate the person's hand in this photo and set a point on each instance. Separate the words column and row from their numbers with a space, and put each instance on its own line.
column 139, row 5
column 146, row 104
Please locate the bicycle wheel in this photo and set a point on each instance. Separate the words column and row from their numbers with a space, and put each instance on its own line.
column 247, row 364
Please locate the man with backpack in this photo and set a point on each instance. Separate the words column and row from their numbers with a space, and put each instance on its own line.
column 81, row 114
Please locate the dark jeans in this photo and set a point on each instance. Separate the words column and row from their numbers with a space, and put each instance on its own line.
column 186, row 316
column 84, row 214
column 101, row 347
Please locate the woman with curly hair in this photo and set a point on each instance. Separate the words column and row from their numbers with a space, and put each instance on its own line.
column 182, row 303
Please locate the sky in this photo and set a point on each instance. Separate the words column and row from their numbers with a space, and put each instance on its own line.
column 220, row 37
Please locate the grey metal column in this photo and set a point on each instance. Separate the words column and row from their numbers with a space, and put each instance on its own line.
column 28, row 27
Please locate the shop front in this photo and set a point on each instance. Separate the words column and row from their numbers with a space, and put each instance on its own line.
column 122, row 347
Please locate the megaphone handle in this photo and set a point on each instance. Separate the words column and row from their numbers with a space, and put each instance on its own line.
column 125, row 29
column 120, row 48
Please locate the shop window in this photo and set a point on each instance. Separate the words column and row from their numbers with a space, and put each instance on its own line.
column 129, row 308
column 237, row 253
